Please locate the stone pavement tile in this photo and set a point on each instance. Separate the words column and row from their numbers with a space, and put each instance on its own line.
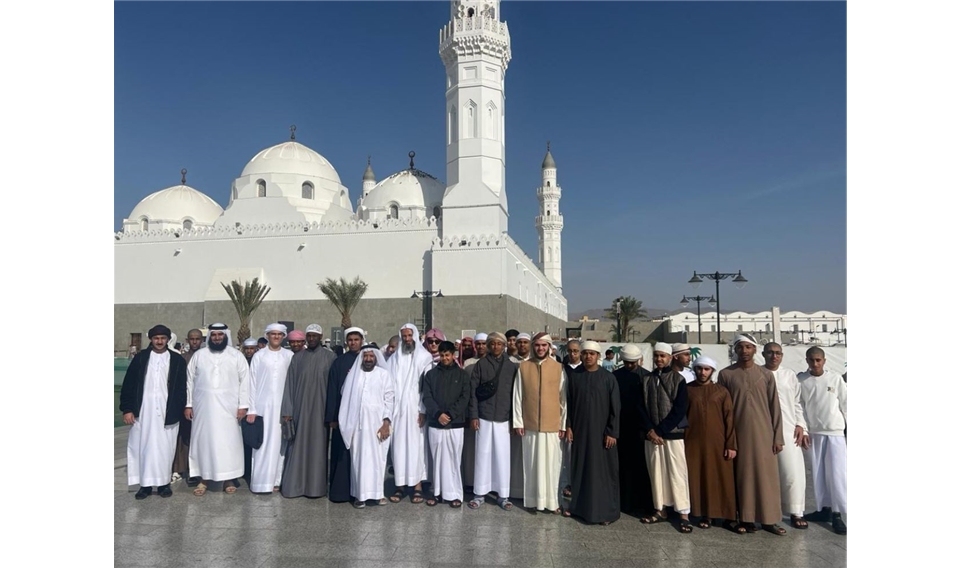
column 351, row 552
column 831, row 554
column 381, row 564
column 203, row 560
column 295, row 562
column 488, row 557
column 134, row 529
column 139, row 557
column 401, row 539
column 317, row 533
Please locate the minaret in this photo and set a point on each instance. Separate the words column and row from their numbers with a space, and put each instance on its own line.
column 369, row 179
column 475, row 49
column 550, row 221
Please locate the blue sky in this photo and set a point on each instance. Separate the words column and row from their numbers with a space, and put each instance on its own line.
column 688, row 136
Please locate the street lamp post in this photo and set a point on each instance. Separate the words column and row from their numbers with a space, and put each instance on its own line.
column 427, row 296
column 619, row 330
column 686, row 302
column 697, row 279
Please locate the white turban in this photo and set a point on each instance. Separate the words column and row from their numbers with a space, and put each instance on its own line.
column 314, row 328
column 662, row 347
column 704, row 361
column 350, row 330
column 523, row 336
column 591, row 346
column 631, row 352
column 745, row 337
column 221, row 327
column 250, row 342
column 276, row 327
column 680, row 348
column 480, row 337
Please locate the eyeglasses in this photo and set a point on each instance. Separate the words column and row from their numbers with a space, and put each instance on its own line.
column 773, row 353
column 433, row 342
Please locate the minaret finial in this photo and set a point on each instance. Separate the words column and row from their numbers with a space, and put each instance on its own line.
column 293, row 131
column 548, row 145
column 411, row 154
column 368, row 159
column 183, row 176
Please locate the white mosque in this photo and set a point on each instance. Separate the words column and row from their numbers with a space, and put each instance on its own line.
column 291, row 222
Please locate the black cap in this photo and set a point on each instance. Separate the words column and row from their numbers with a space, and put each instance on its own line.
column 511, row 333
column 159, row 329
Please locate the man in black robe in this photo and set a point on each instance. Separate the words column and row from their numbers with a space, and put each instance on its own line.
column 593, row 406
column 339, row 454
column 635, row 495
column 304, row 402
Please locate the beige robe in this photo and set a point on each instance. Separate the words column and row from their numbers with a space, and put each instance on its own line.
column 757, row 420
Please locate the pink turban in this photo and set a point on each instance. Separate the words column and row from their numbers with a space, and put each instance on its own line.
column 435, row 334
column 296, row 335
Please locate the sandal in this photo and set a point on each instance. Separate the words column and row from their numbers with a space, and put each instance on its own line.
column 231, row 489
column 397, row 497
column 456, row 503
column 382, row 501
column 200, row 490
column 737, row 528
column 416, row 498
column 505, row 504
column 704, row 523
column 797, row 522
column 775, row 529
column 567, row 513
column 685, row 526
column 567, row 492
column 749, row 527
column 558, row 511
column 359, row 504
column 839, row 526
column 431, row 501
column 475, row 503
column 653, row 519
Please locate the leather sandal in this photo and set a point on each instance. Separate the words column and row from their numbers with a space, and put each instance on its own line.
column 200, row 490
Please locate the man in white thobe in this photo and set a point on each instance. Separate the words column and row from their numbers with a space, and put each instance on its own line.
column 218, row 395
column 540, row 417
column 681, row 362
column 268, row 374
column 406, row 368
column 793, row 475
column 366, row 412
column 152, row 399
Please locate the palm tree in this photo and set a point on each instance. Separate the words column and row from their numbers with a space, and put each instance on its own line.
column 630, row 309
column 246, row 299
column 344, row 295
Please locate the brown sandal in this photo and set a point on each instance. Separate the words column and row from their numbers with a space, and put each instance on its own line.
column 798, row 522
column 200, row 490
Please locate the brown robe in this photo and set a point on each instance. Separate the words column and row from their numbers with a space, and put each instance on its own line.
column 181, row 457
column 756, row 417
column 710, row 414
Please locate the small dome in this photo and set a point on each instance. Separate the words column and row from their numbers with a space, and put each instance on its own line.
column 548, row 162
column 368, row 174
column 290, row 157
column 176, row 203
column 406, row 188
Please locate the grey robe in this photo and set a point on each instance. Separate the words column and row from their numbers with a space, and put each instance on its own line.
column 305, row 398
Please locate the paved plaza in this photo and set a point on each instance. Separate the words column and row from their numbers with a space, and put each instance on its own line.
column 263, row 531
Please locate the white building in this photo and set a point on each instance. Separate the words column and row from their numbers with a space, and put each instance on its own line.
column 290, row 222
column 822, row 327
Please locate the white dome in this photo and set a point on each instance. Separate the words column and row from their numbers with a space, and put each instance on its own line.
column 174, row 204
column 406, row 188
column 290, row 157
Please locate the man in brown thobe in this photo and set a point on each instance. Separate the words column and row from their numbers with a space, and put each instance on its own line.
column 756, row 415
column 711, row 445
column 181, row 459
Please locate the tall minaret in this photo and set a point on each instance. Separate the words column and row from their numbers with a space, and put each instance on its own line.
column 369, row 179
column 550, row 221
column 475, row 49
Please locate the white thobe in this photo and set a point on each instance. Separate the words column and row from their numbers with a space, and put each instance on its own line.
column 268, row 374
column 409, row 441
column 151, row 444
column 217, row 387
column 446, row 449
column 541, row 452
column 364, row 407
column 492, row 462
column 825, row 409
column 793, row 475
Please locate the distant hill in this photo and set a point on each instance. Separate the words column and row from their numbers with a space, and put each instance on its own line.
column 653, row 313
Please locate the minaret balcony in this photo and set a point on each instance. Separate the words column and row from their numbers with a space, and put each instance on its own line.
column 552, row 222
column 552, row 191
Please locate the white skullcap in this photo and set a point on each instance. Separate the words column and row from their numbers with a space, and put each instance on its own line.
column 631, row 352
column 523, row 336
column 276, row 327
column 480, row 337
column 591, row 346
column 314, row 328
column 745, row 337
column 704, row 361
column 350, row 330
column 662, row 347
column 680, row 348
column 250, row 342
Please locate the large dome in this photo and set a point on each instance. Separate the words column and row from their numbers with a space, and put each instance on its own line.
column 290, row 157
column 406, row 188
column 175, row 204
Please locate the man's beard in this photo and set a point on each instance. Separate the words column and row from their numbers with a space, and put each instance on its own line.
column 407, row 348
column 368, row 366
column 214, row 346
column 469, row 353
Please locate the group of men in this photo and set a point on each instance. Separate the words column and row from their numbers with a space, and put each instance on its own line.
column 498, row 413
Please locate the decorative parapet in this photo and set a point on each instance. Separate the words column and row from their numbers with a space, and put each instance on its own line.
column 277, row 230
column 451, row 242
column 554, row 222
column 475, row 35
column 552, row 191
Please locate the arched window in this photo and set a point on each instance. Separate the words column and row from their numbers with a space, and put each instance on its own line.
column 307, row 190
column 143, row 223
column 436, row 211
column 452, row 134
column 394, row 211
column 187, row 224
column 548, row 184
column 470, row 13
column 491, row 121
column 261, row 188
column 548, row 212
column 470, row 120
